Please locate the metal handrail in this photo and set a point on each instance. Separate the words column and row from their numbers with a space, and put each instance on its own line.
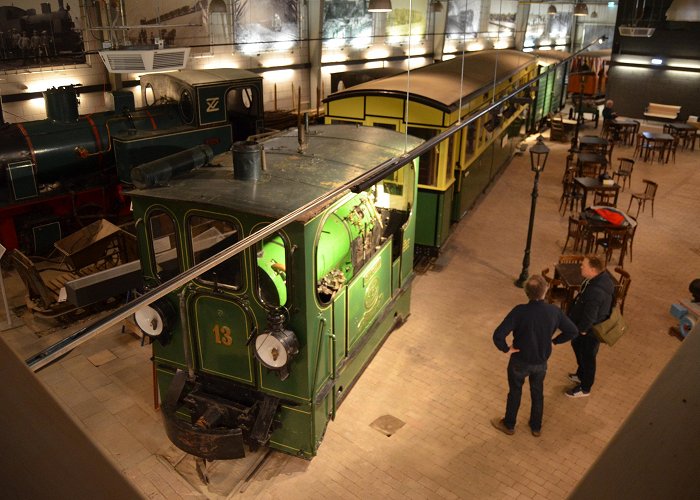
column 369, row 178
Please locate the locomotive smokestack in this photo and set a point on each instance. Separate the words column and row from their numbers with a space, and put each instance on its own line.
column 248, row 160
column 61, row 104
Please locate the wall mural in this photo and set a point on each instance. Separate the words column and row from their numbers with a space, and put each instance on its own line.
column 256, row 26
column 346, row 20
column 34, row 33
column 263, row 25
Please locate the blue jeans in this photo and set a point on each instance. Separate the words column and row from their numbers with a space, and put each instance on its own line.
column 517, row 372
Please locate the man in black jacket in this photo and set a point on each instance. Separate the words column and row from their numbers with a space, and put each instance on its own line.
column 593, row 304
column 533, row 325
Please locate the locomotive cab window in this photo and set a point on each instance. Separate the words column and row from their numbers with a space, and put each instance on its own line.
column 272, row 282
column 244, row 111
column 209, row 236
column 164, row 245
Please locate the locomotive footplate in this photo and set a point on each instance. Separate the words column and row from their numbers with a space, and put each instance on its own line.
column 219, row 428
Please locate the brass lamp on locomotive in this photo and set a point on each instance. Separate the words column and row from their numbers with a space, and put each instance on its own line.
column 263, row 347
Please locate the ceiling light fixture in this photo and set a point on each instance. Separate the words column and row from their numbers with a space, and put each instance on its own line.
column 594, row 15
column 552, row 10
column 379, row 6
column 581, row 9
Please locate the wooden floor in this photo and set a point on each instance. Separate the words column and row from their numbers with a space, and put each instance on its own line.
column 439, row 373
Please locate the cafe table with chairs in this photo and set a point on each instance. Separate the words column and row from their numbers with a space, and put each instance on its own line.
column 568, row 280
column 655, row 144
column 592, row 232
column 584, row 185
column 685, row 133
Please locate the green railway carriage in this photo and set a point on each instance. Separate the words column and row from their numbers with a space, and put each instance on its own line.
column 550, row 91
column 456, row 172
column 263, row 347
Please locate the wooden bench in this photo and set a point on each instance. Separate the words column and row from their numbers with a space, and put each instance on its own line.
column 663, row 111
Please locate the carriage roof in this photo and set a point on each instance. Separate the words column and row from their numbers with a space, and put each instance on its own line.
column 443, row 84
column 334, row 155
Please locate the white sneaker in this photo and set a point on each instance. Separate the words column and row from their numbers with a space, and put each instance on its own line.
column 577, row 392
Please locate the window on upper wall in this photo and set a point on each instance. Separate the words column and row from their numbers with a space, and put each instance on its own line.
column 164, row 248
column 548, row 30
column 349, row 23
column 209, row 236
column 267, row 26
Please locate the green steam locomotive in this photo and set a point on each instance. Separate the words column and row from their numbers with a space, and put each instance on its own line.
column 261, row 348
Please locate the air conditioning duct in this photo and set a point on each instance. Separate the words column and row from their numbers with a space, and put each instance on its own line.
column 636, row 31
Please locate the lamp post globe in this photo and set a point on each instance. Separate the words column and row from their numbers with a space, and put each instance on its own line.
column 538, row 159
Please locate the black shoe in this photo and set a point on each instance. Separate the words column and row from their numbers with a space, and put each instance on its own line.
column 574, row 378
column 500, row 424
column 577, row 392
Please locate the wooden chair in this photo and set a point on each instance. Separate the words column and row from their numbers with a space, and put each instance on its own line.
column 609, row 151
column 671, row 149
column 570, row 196
column 623, row 285
column 575, row 231
column 557, row 293
column 570, row 259
column 606, row 198
column 648, row 195
column 624, row 171
column 557, row 131
column 642, row 148
column 613, row 239
column 632, row 230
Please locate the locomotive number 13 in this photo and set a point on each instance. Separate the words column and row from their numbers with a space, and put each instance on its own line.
column 222, row 335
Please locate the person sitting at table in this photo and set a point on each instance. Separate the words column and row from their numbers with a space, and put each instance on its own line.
column 592, row 305
column 608, row 112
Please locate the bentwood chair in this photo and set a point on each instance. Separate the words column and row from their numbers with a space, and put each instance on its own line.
column 613, row 239
column 641, row 198
column 575, row 232
column 570, row 196
column 570, row 259
column 632, row 230
column 606, row 198
column 623, row 285
column 624, row 171
column 557, row 293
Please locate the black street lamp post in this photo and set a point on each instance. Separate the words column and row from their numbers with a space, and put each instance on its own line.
column 538, row 158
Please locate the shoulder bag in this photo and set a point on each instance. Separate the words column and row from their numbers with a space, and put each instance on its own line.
column 610, row 330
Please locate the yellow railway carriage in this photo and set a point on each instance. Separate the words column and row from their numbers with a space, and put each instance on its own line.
column 426, row 101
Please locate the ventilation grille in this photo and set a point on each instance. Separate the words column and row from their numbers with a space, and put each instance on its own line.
column 636, row 31
column 129, row 61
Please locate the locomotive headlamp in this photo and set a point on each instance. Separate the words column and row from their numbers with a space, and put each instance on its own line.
column 156, row 320
column 276, row 346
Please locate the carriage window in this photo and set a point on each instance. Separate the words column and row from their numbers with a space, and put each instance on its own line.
column 428, row 163
column 210, row 236
column 164, row 244
column 272, row 271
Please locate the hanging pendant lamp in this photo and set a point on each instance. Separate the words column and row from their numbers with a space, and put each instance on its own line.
column 379, row 6
column 552, row 10
column 581, row 9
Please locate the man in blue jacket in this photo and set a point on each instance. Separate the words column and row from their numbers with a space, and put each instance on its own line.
column 593, row 304
column 533, row 325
